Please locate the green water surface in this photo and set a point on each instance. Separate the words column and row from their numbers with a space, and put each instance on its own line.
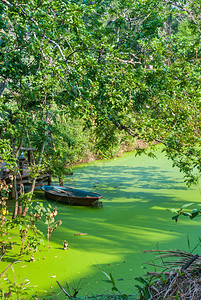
column 136, row 194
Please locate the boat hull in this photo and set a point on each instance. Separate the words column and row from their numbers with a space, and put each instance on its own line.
column 71, row 196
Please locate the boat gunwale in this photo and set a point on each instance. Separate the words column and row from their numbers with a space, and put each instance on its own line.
column 98, row 196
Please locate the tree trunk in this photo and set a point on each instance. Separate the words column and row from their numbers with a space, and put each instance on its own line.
column 14, row 188
column 49, row 180
column 32, row 190
column 44, row 142
column 31, row 152
column 61, row 182
column 19, row 212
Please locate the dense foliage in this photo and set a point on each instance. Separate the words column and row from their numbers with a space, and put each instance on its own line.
column 107, row 66
column 81, row 74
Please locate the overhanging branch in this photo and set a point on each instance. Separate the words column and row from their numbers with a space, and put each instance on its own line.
column 120, row 126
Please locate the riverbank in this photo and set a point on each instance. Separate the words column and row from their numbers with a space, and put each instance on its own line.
column 127, row 146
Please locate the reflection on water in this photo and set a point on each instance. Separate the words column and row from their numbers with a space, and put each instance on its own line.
column 136, row 192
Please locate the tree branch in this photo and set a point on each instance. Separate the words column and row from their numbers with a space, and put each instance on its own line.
column 7, row 3
column 120, row 126
column 129, row 61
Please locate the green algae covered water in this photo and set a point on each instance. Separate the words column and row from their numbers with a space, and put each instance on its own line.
column 136, row 194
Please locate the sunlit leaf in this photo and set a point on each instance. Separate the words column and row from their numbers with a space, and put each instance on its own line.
column 186, row 205
column 173, row 210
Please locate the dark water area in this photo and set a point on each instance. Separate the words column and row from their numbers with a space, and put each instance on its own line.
column 136, row 194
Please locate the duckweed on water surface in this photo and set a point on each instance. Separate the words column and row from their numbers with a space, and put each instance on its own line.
column 136, row 194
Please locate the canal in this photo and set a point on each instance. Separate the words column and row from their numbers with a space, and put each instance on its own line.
column 137, row 191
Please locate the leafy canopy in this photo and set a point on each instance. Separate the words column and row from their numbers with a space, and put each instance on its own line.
column 118, row 65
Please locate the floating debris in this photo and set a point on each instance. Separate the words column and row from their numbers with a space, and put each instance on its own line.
column 80, row 233
column 65, row 245
column 32, row 259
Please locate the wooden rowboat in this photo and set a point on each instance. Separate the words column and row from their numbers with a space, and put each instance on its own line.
column 71, row 196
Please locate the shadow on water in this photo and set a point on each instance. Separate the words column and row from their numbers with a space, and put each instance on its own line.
column 126, row 177
column 136, row 194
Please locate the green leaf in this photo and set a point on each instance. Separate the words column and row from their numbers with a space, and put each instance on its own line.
column 175, row 218
column 112, row 279
column 164, row 278
column 107, row 275
column 173, row 210
column 193, row 215
column 114, row 288
column 186, row 205
column 142, row 280
column 140, row 289
column 196, row 210
column 189, row 244
column 186, row 214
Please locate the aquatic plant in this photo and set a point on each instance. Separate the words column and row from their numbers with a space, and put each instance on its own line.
column 181, row 211
column 71, row 292
column 180, row 275
column 50, row 221
column 22, row 233
column 179, row 278
column 4, row 191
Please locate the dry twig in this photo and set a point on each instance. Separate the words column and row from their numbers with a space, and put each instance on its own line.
column 182, row 273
